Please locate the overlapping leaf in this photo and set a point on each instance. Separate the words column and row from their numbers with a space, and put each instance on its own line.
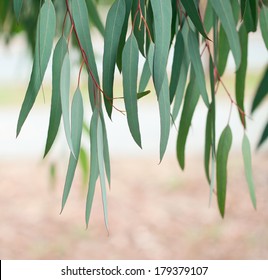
column 264, row 25
column 17, row 8
column 94, row 16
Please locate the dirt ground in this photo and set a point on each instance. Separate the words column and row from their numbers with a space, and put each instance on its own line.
column 155, row 212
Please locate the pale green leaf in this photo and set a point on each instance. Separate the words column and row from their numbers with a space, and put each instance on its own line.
column 246, row 150
column 46, row 26
column 113, row 27
column 130, row 74
column 94, row 16
column 55, row 109
column 224, row 147
column 145, row 76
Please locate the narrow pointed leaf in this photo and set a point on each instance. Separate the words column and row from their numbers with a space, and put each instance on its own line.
column 64, row 96
column 145, row 76
column 264, row 136
column 190, row 102
column 77, row 125
column 246, row 150
column 223, row 9
column 113, row 27
column 142, row 94
column 262, row 91
column 17, row 8
column 224, row 50
column 192, row 11
column 197, row 66
column 46, row 26
column 130, row 75
column 224, row 147
column 94, row 16
column 55, row 109
column 162, row 13
column 250, row 15
column 208, row 18
column 264, row 25
column 240, row 80
column 208, row 144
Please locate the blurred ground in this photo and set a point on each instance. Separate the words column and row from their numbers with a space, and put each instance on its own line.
column 155, row 212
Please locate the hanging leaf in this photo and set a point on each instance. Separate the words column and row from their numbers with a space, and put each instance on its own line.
column 46, row 26
column 208, row 18
column 224, row 50
column 55, row 109
column 162, row 12
column 142, row 94
column 264, row 136
column 197, row 66
column 261, row 91
column 264, row 25
column 145, row 76
column 17, row 8
column 192, row 11
column 248, row 168
column 176, row 65
column 113, row 27
column 84, row 164
column 240, row 80
column 77, row 125
column 190, row 102
column 208, row 144
column 64, row 96
column 224, row 11
column 164, row 110
column 250, row 15
column 94, row 16
column 130, row 74
column 224, row 147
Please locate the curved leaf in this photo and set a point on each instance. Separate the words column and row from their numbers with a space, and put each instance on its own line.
column 162, row 12
column 46, row 26
column 113, row 27
column 240, row 80
column 264, row 25
column 65, row 95
column 224, row 147
column 17, row 8
column 55, row 109
column 224, row 11
column 264, row 135
column 190, row 102
column 145, row 76
column 94, row 16
column 248, row 168
column 197, row 65
column 77, row 125
column 130, row 74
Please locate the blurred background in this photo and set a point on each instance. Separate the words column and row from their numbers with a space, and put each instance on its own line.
column 155, row 211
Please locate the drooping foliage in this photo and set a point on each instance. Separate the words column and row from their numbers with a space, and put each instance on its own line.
column 155, row 29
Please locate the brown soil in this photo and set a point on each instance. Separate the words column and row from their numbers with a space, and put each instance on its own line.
column 155, row 212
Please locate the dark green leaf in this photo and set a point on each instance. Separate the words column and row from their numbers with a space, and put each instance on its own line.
column 191, row 10
column 264, row 135
column 208, row 18
column 224, row 147
column 113, row 27
column 55, row 110
column 94, row 16
column 77, row 125
column 264, row 25
column 208, row 144
column 17, row 8
column 261, row 91
column 250, row 16
column 248, row 168
column 190, row 102
column 223, row 9
column 240, row 80
column 130, row 75
column 162, row 12
column 197, row 66
column 46, row 26
column 142, row 94
column 223, row 51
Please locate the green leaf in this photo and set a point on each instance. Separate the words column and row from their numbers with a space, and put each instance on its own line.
column 190, row 102
column 77, row 125
column 208, row 144
column 264, row 136
column 164, row 110
column 197, row 66
column 262, row 91
column 145, row 76
column 84, row 164
column 113, row 27
column 64, row 96
column 208, row 18
column 191, row 10
column 17, row 8
column 55, row 109
column 176, row 65
column 142, row 94
column 162, row 12
column 240, row 80
column 264, row 25
column 223, row 9
column 248, row 168
column 94, row 16
column 94, row 165
column 130, row 74
column 224, row 147
column 224, row 50
column 250, row 15
column 100, row 151
column 46, row 26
